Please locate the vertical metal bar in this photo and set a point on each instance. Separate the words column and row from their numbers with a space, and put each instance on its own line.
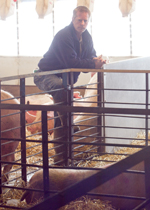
column 146, row 117
column 66, row 79
column 99, row 120
column 22, row 130
column 70, row 118
column 0, row 147
column 100, row 92
column 103, row 103
column 45, row 154
column 147, row 180
column 147, row 161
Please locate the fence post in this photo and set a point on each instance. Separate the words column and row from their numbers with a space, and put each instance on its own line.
column 147, row 161
column 100, row 103
column 147, row 179
column 65, row 77
column 22, row 130
column 70, row 118
column 45, row 154
column 146, row 117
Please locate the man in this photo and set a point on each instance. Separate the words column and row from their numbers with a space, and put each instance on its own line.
column 72, row 47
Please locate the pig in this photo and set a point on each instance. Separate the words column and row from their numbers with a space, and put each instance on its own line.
column 33, row 116
column 125, row 184
column 76, row 94
column 38, row 99
column 30, row 116
column 83, row 120
column 37, row 119
column 9, row 122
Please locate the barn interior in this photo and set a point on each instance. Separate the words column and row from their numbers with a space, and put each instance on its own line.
column 105, row 164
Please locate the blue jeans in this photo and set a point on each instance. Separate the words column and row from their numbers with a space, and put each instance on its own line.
column 52, row 83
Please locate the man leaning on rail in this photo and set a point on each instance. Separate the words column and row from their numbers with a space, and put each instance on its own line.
column 72, row 47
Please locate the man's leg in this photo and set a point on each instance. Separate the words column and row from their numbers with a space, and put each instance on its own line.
column 53, row 83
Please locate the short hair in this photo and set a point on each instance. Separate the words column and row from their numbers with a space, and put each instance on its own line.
column 81, row 9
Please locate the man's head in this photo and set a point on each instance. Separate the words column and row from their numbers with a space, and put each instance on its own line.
column 80, row 19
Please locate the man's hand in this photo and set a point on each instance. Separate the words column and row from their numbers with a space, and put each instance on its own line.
column 99, row 62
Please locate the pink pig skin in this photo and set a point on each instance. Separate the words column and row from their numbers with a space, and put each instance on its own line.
column 126, row 184
column 9, row 122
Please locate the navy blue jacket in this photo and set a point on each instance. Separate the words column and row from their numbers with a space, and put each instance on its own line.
column 64, row 52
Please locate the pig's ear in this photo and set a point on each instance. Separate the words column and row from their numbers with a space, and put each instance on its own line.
column 26, row 195
column 50, row 114
column 50, row 96
column 32, row 112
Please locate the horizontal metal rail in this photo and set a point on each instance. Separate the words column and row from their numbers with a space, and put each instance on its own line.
column 142, row 71
column 76, row 109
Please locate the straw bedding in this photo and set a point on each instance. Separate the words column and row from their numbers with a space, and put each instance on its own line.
column 11, row 196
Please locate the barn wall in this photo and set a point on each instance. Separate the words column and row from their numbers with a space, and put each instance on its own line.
column 131, row 81
column 12, row 66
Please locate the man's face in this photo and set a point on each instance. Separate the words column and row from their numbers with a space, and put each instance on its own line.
column 80, row 22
